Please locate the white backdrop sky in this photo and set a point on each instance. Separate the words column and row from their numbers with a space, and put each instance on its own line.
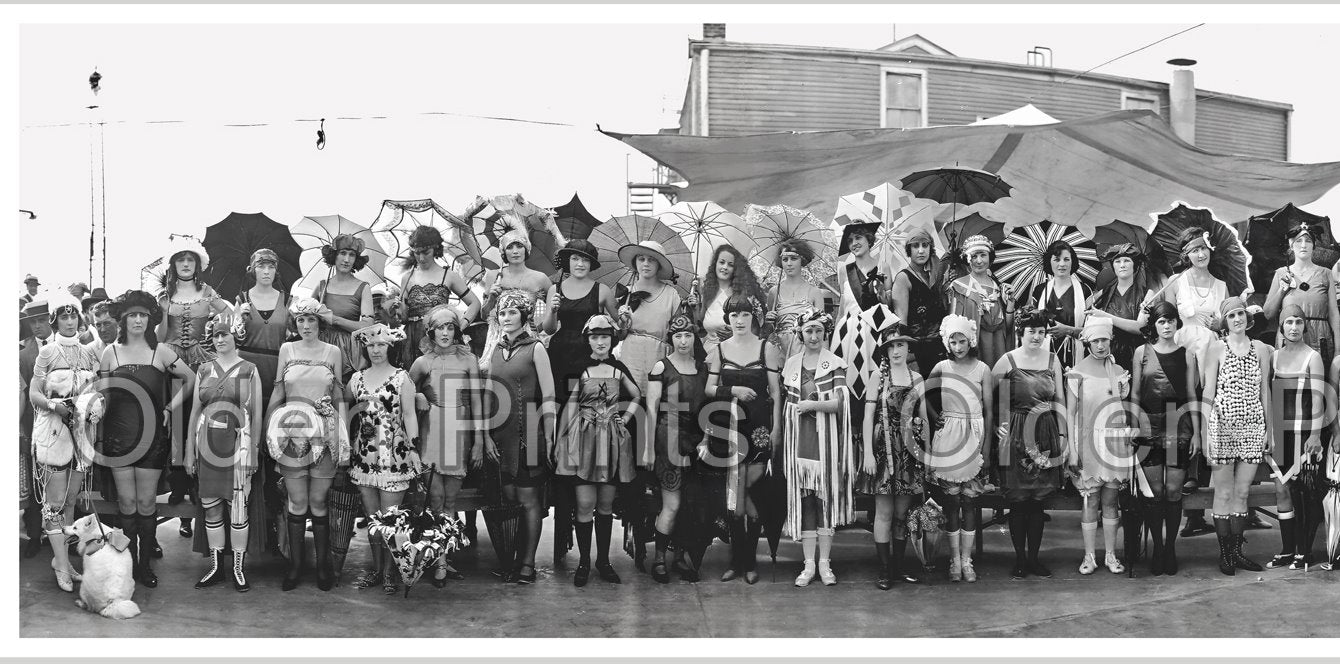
column 181, row 177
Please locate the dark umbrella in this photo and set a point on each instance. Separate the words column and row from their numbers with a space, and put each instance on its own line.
column 958, row 186
column 574, row 220
column 769, row 496
column 1267, row 242
column 230, row 244
column 1228, row 261
column 1118, row 232
column 955, row 232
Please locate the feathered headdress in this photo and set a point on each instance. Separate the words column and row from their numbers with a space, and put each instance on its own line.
column 379, row 333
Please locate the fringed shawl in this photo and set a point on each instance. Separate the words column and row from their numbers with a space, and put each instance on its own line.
column 830, row 476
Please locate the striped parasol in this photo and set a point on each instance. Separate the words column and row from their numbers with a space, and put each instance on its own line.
column 1019, row 257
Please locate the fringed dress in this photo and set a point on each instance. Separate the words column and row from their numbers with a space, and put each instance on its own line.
column 817, row 447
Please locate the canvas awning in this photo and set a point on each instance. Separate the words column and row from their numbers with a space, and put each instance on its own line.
column 1126, row 165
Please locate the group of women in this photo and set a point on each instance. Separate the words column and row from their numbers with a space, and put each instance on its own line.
column 736, row 406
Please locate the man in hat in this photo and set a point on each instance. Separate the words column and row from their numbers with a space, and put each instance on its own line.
column 86, row 303
column 31, row 283
column 35, row 318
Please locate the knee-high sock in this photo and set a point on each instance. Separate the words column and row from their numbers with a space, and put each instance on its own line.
column 604, row 524
column 584, row 541
column 1153, row 522
column 809, row 542
column 1089, row 529
column 1018, row 521
column 214, row 533
column 1288, row 543
column 1036, row 524
column 825, row 543
column 1172, row 525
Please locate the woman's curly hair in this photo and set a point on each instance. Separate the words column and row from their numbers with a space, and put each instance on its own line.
column 742, row 281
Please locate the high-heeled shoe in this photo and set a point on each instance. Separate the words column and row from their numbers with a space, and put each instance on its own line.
column 581, row 575
column 524, row 579
column 751, row 577
column 65, row 578
column 607, row 573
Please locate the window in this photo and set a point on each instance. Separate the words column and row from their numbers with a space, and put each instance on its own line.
column 904, row 95
column 1137, row 102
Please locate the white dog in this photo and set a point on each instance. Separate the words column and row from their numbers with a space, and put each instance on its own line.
column 108, row 583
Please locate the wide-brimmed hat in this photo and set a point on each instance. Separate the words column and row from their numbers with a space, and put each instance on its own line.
column 94, row 296
column 137, row 299
column 1123, row 250
column 37, row 309
column 844, row 245
column 629, row 252
column 182, row 243
column 577, row 247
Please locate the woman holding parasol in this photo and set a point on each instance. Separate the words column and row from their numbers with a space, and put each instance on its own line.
column 793, row 295
column 348, row 298
column 1237, row 383
column 1099, row 455
column 1123, row 301
column 892, row 467
column 514, row 277
column 428, row 285
column 1063, row 296
column 1030, row 447
column 221, row 447
column 956, row 459
column 1298, row 370
column 447, row 397
column 816, row 446
column 62, row 375
column 919, row 301
column 385, row 447
column 647, row 310
column 573, row 301
column 1164, row 380
column 137, row 449
column 306, row 435
column 746, row 370
column 981, row 298
column 1312, row 288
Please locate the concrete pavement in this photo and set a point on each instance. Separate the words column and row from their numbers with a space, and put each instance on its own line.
column 1199, row 602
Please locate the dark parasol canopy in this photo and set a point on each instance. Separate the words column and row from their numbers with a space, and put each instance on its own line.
column 1267, row 242
column 230, row 244
column 1228, row 261
column 574, row 221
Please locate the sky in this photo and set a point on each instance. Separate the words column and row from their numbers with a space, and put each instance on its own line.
column 170, row 92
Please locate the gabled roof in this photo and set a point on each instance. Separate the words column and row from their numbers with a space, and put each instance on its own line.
column 916, row 44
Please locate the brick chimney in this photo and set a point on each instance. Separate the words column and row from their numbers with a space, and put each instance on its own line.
column 714, row 31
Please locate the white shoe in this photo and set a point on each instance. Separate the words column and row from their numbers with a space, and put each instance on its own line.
column 826, row 574
column 1089, row 566
column 806, row 575
column 1113, row 565
column 969, row 574
column 955, row 568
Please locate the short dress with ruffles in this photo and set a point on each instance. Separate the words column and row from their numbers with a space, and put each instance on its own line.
column 383, row 456
column 1104, row 455
column 594, row 446
column 1237, row 428
column 898, row 447
column 955, row 460
column 1031, row 461
column 307, row 386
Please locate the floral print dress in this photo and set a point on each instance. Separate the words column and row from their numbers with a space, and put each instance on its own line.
column 383, row 456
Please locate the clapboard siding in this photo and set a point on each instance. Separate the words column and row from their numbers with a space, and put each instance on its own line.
column 959, row 97
column 1229, row 127
column 754, row 92
column 751, row 93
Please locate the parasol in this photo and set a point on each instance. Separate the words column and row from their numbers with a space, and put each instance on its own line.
column 491, row 218
column 1228, row 261
column 769, row 496
column 574, row 221
column 897, row 212
column 1267, row 242
column 503, row 523
column 956, row 186
column 416, row 538
column 230, row 244
column 704, row 227
column 1019, row 257
column 958, row 230
column 770, row 227
column 1119, row 232
column 924, row 530
column 619, row 231
column 398, row 219
column 344, row 503
column 313, row 233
